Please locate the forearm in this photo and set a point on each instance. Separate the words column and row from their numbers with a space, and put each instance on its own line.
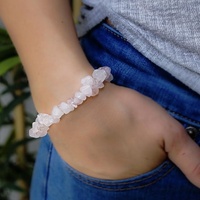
column 45, row 38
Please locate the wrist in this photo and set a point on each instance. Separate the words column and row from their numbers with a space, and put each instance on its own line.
column 90, row 86
column 51, row 88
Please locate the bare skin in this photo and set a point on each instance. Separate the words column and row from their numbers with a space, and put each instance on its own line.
column 118, row 134
column 111, row 137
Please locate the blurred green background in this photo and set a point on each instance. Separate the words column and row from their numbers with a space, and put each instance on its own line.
column 17, row 150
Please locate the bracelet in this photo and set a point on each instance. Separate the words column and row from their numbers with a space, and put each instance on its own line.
column 90, row 86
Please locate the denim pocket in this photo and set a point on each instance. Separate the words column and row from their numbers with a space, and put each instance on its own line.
column 158, row 175
column 136, row 182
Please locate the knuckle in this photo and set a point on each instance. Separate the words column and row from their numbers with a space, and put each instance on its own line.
column 196, row 171
column 177, row 134
column 195, row 175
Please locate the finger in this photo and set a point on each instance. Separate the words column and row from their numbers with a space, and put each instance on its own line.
column 185, row 154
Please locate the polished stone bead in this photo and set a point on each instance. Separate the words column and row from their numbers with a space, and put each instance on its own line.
column 99, row 84
column 80, row 95
column 45, row 119
column 109, row 76
column 95, row 91
column 66, row 108
column 57, row 112
column 86, row 90
column 72, row 103
column 38, row 130
column 77, row 101
column 88, row 80
column 99, row 74
column 33, row 134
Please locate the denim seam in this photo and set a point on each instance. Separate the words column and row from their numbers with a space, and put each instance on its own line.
column 123, row 189
column 134, row 181
column 119, row 36
column 129, row 188
column 48, row 170
column 193, row 121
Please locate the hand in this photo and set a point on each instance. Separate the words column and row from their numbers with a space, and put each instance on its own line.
column 121, row 133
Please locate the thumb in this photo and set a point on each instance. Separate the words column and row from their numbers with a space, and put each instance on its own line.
column 185, row 154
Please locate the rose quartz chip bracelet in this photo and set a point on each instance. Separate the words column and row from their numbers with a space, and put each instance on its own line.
column 90, row 87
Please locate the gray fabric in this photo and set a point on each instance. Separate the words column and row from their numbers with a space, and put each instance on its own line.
column 165, row 31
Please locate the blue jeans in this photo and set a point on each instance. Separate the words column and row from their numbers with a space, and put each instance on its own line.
column 54, row 179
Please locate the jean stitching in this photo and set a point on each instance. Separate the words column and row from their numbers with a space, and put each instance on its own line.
column 113, row 33
column 48, row 170
column 128, row 183
column 129, row 188
column 135, row 181
column 193, row 121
